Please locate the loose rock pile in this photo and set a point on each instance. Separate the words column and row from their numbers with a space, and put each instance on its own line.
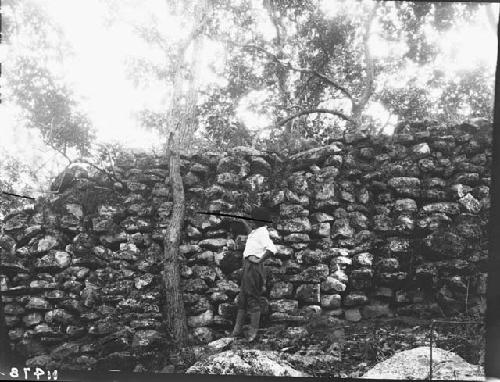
column 414, row 364
column 366, row 227
column 246, row 362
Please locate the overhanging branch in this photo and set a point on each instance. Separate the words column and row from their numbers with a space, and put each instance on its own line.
column 322, row 77
column 111, row 176
column 289, row 66
column 260, row 49
column 314, row 111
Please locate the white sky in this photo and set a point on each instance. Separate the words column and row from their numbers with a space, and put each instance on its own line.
column 99, row 71
column 99, row 74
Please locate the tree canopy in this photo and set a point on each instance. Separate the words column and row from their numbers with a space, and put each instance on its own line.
column 45, row 123
column 34, row 81
column 320, row 70
column 272, row 72
column 277, row 71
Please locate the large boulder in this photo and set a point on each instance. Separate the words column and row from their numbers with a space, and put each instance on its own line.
column 246, row 362
column 414, row 364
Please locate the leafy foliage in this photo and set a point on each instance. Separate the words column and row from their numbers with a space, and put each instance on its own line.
column 48, row 104
column 447, row 100
column 12, row 182
column 316, row 60
column 410, row 103
column 471, row 95
column 317, row 72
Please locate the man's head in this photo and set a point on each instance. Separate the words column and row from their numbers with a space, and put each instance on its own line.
column 260, row 214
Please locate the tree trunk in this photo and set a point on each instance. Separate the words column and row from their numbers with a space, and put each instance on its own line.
column 356, row 117
column 174, row 313
column 182, row 123
column 173, row 308
column 359, row 106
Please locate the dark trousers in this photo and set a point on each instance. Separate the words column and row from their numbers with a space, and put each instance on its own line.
column 252, row 286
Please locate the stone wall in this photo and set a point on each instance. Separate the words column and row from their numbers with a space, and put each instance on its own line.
column 366, row 227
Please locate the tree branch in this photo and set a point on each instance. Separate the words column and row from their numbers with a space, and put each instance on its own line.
column 322, row 77
column 157, row 39
column 273, row 56
column 289, row 66
column 43, row 164
column 369, row 60
column 112, row 162
column 182, row 72
column 281, row 73
column 197, row 30
column 275, row 20
column 112, row 176
column 60, row 152
column 314, row 111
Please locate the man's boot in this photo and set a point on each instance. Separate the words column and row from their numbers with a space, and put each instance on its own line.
column 238, row 326
column 254, row 326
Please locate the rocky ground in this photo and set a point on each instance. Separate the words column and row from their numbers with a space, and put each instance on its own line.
column 414, row 364
column 325, row 348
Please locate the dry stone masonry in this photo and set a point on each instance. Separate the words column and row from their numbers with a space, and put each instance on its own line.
column 366, row 227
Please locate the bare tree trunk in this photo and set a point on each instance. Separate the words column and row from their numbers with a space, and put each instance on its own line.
column 281, row 71
column 359, row 106
column 173, row 308
column 174, row 312
column 182, row 123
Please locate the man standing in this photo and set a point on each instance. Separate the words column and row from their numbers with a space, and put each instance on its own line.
column 258, row 248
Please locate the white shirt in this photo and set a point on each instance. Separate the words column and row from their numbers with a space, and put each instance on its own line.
column 258, row 243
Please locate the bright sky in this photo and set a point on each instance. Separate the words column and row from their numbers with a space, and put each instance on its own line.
column 100, row 76
column 99, row 69
column 99, row 73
